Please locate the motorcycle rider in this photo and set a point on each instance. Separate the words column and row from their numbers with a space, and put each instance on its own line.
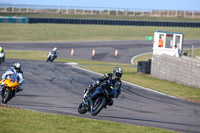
column 54, row 51
column 2, row 52
column 19, row 73
column 114, row 79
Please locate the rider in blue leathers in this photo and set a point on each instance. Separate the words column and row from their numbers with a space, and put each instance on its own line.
column 19, row 73
column 114, row 78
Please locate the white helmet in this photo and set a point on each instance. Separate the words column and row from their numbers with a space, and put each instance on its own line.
column 55, row 49
column 17, row 67
column 117, row 72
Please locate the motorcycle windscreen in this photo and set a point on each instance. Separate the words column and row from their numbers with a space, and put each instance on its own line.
column 13, row 77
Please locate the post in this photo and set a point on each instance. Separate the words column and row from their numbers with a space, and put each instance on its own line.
column 5, row 8
column 58, row 10
column 184, row 14
column 75, row 10
column 35, row 9
column 67, row 10
column 13, row 9
column 83, row 11
column 151, row 13
column 192, row 50
column 133, row 13
column 108, row 11
column 192, row 14
column 92, row 11
column 117, row 12
column 27, row 9
column 126, row 12
column 167, row 13
column 20, row 9
column 176, row 13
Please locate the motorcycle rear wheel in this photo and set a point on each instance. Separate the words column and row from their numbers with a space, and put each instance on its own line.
column 99, row 104
column 82, row 109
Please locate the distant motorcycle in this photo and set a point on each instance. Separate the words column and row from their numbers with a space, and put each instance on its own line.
column 10, row 89
column 2, row 56
column 98, row 99
column 51, row 56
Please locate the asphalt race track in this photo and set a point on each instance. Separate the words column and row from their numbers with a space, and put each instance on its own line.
column 104, row 50
column 58, row 88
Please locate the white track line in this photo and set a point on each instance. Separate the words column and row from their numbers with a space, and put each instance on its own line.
column 133, row 58
column 126, row 82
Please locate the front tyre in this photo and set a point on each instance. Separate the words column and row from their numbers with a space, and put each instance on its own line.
column 99, row 104
column 82, row 109
column 6, row 95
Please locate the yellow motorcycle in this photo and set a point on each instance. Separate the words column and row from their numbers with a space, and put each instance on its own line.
column 10, row 88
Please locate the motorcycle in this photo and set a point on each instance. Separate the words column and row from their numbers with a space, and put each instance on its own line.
column 2, row 56
column 51, row 56
column 98, row 99
column 10, row 88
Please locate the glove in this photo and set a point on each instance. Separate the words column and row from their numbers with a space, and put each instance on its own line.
column 2, row 82
column 97, row 82
column 85, row 95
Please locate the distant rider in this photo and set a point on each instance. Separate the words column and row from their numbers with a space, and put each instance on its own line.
column 114, row 79
column 54, row 52
column 2, row 52
column 19, row 73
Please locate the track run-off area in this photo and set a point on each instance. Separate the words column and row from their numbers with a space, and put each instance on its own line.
column 58, row 88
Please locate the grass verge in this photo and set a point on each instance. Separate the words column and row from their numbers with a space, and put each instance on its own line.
column 67, row 32
column 130, row 74
column 23, row 121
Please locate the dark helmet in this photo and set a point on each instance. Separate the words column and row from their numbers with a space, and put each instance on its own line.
column 117, row 72
column 17, row 67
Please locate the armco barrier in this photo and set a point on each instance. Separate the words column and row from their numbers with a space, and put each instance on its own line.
column 13, row 20
column 114, row 22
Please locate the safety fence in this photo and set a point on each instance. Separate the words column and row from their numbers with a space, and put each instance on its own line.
column 97, row 11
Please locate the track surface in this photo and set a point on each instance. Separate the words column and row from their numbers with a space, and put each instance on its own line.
column 57, row 88
column 104, row 49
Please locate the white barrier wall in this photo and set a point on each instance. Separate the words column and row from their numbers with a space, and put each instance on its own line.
column 185, row 70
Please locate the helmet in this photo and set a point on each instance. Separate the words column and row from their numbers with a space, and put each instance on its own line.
column 1, row 49
column 17, row 67
column 55, row 49
column 117, row 72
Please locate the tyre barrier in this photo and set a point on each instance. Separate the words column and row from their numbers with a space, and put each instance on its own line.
column 144, row 67
column 13, row 20
column 98, row 22
column 114, row 22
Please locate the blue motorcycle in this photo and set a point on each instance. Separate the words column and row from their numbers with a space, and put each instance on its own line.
column 99, row 99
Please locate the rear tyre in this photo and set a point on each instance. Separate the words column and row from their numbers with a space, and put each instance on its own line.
column 99, row 104
column 82, row 109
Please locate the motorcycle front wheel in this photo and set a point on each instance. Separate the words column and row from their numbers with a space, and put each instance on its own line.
column 99, row 104
column 6, row 95
column 82, row 109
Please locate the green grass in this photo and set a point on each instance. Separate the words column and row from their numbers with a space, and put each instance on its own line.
column 130, row 73
column 120, row 17
column 23, row 121
column 67, row 32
